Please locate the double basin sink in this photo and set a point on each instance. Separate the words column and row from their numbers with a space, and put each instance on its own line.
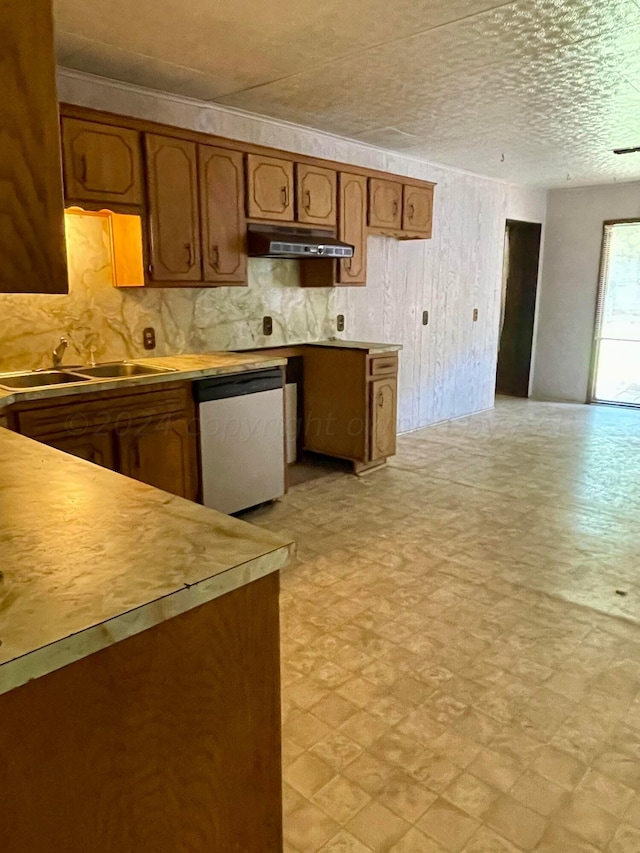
column 45, row 378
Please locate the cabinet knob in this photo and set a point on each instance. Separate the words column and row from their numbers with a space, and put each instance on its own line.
column 215, row 256
column 307, row 200
column 410, row 211
column 189, row 249
column 395, row 208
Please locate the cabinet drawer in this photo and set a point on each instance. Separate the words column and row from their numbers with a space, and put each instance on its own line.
column 98, row 412
column 383, row 365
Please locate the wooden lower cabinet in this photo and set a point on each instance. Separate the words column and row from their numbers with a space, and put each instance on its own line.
column 98, row 447
column 350, row 404
column 160, row 453
column 148, row 435
column 166, row 741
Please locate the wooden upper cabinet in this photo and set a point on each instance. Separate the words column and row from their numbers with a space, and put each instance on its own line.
column 352, row 226
column 385, row 204
column 174, row 221
column 383, row 393
column 32, row 246
column 316, row 195
column 269, row 188
column 101, row 162
column 417, row 210
column 224, row 254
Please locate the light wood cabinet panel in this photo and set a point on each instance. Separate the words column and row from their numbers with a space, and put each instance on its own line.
column 383, row 402
column 94, row 447
column 32, row 246
column 224, row 255
column 417, row 210
column 385, row 204
column 101, row 162
column 174, row 222
column 269, row 188
column 352, row 226
column 316, row 195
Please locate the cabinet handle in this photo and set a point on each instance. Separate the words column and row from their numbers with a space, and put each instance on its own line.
column 215, row 257
column 136, row 454
column 380, row 399
column 189, row 249
column 307, row 200
column 285, row 195
column 348, row 263
column 82, row 168
column 395, row 208
column 410, row 211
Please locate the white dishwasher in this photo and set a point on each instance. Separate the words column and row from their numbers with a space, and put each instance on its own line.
column 241, row 439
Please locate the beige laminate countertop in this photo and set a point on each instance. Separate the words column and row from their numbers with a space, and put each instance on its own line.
column 89, row 557
column 183, row 367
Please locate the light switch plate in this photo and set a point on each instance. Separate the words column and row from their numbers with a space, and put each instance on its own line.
column 267, row 326
column 340, row 322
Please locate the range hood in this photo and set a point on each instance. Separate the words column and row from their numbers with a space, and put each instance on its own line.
column 278, row 241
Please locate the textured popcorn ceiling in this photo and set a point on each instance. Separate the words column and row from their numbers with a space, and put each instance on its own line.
column 532, row 91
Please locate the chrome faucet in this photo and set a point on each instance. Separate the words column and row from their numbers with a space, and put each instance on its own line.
column 58, row 352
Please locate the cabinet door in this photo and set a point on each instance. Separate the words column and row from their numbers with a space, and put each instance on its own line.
column 224, row 256
column 269, row 188
column 352, row 222
column 172, row 176
column 417, row 210
column 385, row 204
column 161, row 453
column 32, row 245
column 316, row 195
column 101, row 163
column 383, row 394
column 94, row 447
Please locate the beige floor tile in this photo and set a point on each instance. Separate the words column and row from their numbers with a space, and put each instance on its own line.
column 632, row 814
column 559, row 767
column 471, row 794
column 538, row 793
column 377, row 827
column 334, row 709
column 307, row 828
column 485, row 840
column 416, row 842
column 582, row 816
column 307, row 774
column 448, row 825
column 341, row 799
column 369, row 772
column 626, row 840
column 606, row 793
column 406, row 797
column 344, row 842
column 336, row 750
column 516, row 822
column 497, row 770
column 557, row 839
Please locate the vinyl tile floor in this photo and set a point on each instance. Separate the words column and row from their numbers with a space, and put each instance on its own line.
column 461, row 641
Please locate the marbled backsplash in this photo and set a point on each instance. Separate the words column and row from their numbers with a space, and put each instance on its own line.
column 95, row 314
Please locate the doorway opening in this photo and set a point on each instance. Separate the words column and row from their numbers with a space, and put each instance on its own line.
column 517, row 318
column 615, row 373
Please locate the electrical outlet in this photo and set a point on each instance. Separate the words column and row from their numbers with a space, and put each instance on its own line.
column 425, row 318
column 340, row 322
column 149, row 338
column 267, row 326
column 475, row 315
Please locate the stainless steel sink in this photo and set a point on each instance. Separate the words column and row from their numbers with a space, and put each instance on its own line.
column 117, row 369
column 37, row 379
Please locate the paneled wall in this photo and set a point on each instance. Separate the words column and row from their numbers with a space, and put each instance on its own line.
column 447, row 368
